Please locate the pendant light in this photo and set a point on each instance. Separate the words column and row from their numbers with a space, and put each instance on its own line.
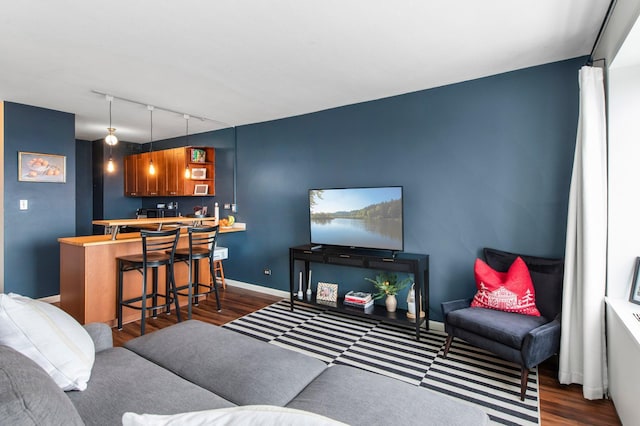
column 187, row 172
column 152, row 169
column 111, row 138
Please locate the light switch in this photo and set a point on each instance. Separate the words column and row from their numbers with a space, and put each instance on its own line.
column 24, row 204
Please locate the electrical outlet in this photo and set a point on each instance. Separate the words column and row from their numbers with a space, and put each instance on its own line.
column 24, row 204
column 227, row 206
column 267, row 271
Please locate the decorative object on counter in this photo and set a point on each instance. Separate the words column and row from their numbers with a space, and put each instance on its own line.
column 300, row 287
column 201, row 189
column 34, row 167
column 327, row 292
column 227, row 222
column 635, row 284
column 309, row 292
column 200, row 211
column 216, row 211
column 198, row 155
column 388, row 285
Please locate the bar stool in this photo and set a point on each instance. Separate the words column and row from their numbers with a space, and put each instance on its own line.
column 202, row 243
column 158, row 249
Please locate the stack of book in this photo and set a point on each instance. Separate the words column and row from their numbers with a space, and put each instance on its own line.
column 358, row 299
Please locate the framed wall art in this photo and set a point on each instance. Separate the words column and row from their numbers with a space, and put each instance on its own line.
column 635, row 284
column 201, row 190
column 327, row 292
column 198, row 173
column 35, row 167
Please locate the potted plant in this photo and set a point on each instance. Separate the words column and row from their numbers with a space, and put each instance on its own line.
column 388, row 285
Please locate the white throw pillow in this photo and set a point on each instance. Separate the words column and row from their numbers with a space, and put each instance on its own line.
column 50, row 337
column 254, row 415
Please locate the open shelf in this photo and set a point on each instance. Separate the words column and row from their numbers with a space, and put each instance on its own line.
column 415, row 264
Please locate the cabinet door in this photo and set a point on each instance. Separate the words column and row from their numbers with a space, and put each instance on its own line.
column 153, row 180
column 131, row 187
column 175, row 166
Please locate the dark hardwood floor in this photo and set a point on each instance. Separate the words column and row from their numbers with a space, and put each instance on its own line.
column 559, row 404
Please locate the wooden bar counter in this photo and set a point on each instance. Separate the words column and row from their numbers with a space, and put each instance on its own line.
column 88, row 273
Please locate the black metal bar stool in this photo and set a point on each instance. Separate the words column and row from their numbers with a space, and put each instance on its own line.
column 158, row 249
column 202, row 243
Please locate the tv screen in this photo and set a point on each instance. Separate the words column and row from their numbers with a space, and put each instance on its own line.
column 357, row 217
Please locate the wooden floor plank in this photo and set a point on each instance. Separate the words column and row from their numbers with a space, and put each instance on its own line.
column 559, row 404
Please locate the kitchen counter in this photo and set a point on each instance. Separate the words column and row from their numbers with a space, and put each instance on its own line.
column 112, row 226
column 88, row 271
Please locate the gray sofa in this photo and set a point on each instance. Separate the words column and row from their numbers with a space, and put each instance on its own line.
column 194, row 366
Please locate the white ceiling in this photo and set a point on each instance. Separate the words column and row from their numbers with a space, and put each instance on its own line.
column 249, row 61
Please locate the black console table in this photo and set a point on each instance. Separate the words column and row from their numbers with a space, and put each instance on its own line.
column 416, row 264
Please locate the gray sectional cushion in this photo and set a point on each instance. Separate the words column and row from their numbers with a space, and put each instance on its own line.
column 100, row 334
column 507, row 328
column 239, row 368
column 122, row 381
column 358, row 397
column 28, row 396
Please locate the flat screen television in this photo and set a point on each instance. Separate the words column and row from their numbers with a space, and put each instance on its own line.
column 368, row 218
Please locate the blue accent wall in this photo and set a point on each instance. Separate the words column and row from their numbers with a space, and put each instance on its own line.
column 32, row 255
column 483, row 163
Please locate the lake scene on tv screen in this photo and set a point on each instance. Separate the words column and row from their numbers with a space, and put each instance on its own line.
column 357, row 217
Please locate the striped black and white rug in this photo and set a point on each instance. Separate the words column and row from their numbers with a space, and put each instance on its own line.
column 468, row 373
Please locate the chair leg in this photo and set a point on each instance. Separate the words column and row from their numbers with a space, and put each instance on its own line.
column 447, row 346
column 154, row 292
column 119, row 296
column 172, row 280
column 143, row 301
column 215, row 284
column 524, row 378
column 189, row 289
column 196, row 282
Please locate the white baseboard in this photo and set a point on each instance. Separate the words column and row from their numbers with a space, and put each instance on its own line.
column 433, row 325
column 50, row 299
column 258, row 288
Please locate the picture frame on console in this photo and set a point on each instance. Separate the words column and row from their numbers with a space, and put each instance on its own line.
column 634, row 296
column 327, row 292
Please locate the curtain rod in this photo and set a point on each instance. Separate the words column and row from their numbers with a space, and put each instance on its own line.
column 162, row 108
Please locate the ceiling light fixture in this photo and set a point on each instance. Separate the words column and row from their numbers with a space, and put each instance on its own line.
column 187, row 172
column 111, row 138
column 152, row 169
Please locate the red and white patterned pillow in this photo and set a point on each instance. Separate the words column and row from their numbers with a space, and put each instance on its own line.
column 510, row 291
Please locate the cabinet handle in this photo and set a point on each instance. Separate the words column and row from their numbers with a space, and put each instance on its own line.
column 308, row 252
column 385, row 259
column 346, row 256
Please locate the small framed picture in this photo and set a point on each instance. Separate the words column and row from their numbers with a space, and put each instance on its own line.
column 198, row 155
column 635, row 284
column 327, row 292
column 199, row 173
column 201, row 190
column 34, row 167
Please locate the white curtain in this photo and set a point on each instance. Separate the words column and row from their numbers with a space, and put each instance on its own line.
column 583, row 346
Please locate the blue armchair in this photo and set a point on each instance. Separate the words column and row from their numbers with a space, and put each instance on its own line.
column 523, row 339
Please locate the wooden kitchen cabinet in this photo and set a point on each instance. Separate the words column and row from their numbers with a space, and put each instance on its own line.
column 169, row 180
column 132, row 186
